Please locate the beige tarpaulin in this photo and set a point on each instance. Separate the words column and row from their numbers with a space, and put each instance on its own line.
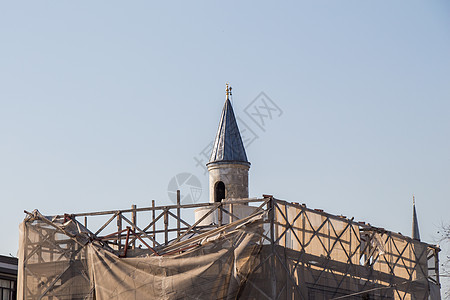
column 215, row 270
column 285, row 252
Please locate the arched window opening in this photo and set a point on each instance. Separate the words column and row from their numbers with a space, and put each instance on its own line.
column 219, row 191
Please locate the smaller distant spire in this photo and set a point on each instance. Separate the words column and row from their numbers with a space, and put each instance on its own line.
column 415, row 223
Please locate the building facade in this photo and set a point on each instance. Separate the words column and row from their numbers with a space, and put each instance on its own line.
column 8, row 277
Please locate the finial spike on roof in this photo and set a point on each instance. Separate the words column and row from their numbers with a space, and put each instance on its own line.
column 228, row 90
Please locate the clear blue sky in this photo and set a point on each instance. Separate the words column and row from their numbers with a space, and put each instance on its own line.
column 102, row 103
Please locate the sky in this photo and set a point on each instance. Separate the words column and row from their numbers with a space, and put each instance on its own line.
column 103, row 103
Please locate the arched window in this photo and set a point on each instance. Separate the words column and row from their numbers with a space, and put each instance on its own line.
column 219, row 191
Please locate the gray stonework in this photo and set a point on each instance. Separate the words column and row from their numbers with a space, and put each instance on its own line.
column 233, row 175
column 239, row 210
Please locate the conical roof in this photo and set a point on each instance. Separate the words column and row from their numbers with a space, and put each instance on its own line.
column 228, row 146
column 415, row 223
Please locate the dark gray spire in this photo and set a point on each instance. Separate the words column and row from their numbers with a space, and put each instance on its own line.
column 228, row 146
column 415, row 224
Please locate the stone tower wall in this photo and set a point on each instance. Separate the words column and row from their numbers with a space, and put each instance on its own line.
column 234, row 176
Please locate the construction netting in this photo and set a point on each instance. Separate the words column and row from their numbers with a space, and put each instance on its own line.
column 67, row 266
column 330, row 257
column 282, row 251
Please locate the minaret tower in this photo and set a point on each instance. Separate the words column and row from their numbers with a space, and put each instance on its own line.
column 228, row 165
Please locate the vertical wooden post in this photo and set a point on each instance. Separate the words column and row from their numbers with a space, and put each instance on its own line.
column 304, row 225
column 119, row 229
column 286, row 242
column 286, row 226
column 436, row 264
column 231, row 213
column 219, row 214
column 126, row 242
column 350, row 239
column 134, row 221
column 271, row 207
column 85, row 221
column 178, row 212
column 154, row 225
column 26, row 255
column 329, row 234
column 166, row 227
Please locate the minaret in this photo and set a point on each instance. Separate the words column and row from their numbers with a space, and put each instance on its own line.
column 228, row 165
column 415, row 224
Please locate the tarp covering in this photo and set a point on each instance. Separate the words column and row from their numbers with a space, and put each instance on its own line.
column 335, row 256
column 51, row 264
column 216, row 270
column 287, row 252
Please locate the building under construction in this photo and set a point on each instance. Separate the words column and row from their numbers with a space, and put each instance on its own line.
column 235, row 247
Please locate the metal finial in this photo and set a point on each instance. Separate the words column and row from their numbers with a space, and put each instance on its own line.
column 228, row 89
column 414, row 200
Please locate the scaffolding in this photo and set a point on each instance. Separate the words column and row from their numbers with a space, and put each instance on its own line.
column 280, row 251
